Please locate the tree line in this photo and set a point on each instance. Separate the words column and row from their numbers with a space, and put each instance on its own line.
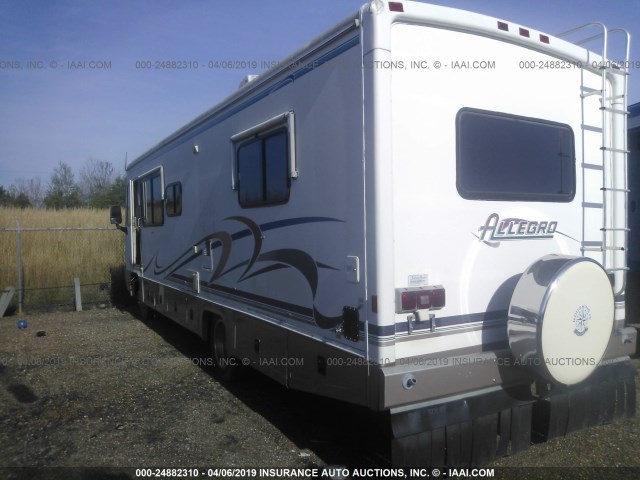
column 98, row 186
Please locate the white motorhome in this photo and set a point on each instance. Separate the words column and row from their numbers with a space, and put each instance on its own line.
column 633, row 131
column 423, row 211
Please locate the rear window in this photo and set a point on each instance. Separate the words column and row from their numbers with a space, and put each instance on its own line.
column 508, row 157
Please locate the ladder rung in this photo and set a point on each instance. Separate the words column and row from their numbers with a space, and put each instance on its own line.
column 590, row 92
column 616, row 97
column 592, row 166
column 622, row 190
column 601, row 249
column 615, row 150
column 592, row 205
column 615, row 230
column 611, row 270
column 591, row 128
column 592, row 243
column 615, row 110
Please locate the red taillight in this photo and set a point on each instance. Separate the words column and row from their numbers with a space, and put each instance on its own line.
column 437, row 298
column 426, row 298
column 408, row 300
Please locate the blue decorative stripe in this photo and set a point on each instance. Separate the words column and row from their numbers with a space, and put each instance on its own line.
column 376, row 331
column 403, row 327
column 189, row 256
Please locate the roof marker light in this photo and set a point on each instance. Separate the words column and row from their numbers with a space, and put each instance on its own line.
column 524, row 32
column 544, row 38
column 503, row 26
column 396, row 7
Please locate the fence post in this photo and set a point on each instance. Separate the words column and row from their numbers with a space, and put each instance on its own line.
column 76, row 283
column 20, row 279
column 5, row 299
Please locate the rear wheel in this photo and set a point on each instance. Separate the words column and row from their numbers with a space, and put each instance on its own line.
column 224, row 363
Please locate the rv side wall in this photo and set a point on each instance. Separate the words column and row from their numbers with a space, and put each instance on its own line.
column 279, row 267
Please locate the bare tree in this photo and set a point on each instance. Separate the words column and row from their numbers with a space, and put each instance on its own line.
column 96, row 177
column 63, row 191
column 33, row 189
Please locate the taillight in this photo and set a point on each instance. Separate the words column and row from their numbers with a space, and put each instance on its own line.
column 419, row 298
column 437, row 298
column 408, row 301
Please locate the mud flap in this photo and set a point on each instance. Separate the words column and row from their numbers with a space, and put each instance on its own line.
column 608, row 394
column 463, row 433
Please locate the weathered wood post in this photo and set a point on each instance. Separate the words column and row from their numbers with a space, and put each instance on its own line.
column 76, row 284
column 20, row 279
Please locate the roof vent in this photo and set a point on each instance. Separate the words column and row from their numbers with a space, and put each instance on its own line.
column 247, row 79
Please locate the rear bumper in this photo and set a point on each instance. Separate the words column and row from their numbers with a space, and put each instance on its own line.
column 414, row 381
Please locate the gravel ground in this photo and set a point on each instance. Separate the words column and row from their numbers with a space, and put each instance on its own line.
column 101, row 388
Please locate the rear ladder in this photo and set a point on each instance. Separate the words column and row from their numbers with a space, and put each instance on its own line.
column 614, row 158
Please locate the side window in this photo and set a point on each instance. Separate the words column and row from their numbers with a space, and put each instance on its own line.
column 173, row 196
column 276, row 168
column 263, row 170
column 152, row 194
column 264, row 162
column 250, row 174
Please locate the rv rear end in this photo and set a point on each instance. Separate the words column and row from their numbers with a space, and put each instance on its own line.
column 497, row 221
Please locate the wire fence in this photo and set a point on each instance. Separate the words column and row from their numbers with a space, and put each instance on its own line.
column 65, row 296
column 55, row 267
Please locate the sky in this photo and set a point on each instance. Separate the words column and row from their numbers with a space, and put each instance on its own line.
column 114, row 109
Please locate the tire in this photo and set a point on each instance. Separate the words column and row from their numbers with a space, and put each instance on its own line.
column 224, row 364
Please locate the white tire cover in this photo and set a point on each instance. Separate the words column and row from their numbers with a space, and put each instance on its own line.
column 561, row 317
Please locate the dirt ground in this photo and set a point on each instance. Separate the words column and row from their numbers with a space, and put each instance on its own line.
column 104, row 392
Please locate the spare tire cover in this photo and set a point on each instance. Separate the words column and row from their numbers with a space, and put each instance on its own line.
column 561, row 317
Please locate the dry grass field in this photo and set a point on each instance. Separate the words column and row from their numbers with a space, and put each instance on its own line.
column 51, row 259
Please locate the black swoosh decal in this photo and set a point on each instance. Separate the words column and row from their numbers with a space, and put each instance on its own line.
column 325, row 322
column 225, row 240
column 257, row 240
column 301, row 261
